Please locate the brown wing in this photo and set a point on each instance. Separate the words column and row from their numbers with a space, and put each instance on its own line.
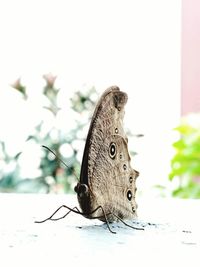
column 106, row 165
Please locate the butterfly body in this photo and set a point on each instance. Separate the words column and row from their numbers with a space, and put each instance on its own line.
column 107, row 179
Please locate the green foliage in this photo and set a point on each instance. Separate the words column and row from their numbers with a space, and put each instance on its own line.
column 185, row 165
column 9, row 171
column 51, row 175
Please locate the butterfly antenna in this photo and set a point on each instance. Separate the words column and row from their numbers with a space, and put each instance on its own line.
column 60, row 160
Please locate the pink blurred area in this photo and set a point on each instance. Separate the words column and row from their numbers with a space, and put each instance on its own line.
column 190, row 56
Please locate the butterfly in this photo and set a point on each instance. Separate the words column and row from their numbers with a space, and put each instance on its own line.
column 107, row 186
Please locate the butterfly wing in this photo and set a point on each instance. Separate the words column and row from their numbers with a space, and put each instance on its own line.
column 106, row 168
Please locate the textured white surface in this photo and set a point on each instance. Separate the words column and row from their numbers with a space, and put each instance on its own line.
column 171, row 236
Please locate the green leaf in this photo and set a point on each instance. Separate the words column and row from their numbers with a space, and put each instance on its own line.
column 185, row 129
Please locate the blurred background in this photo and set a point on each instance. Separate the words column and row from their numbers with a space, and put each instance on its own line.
column 57, row 58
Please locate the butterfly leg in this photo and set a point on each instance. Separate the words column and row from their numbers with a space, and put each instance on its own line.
column 75, row 209
column 105, row 217
column 136, row 228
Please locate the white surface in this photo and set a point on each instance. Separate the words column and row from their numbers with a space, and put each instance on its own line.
column 172, row 239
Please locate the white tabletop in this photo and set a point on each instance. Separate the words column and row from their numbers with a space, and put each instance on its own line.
column 171, row 235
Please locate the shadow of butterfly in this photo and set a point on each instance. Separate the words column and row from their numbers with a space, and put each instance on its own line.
column 107, row 186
